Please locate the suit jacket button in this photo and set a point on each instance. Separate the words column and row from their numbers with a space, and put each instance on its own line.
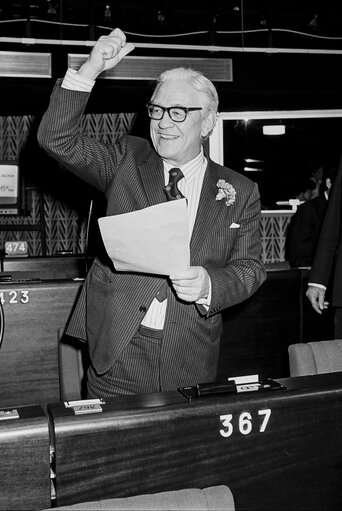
column 142, row 308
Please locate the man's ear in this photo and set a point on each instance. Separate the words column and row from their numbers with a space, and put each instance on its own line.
column 208, row 124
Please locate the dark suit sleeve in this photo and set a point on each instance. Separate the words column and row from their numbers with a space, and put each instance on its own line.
column 60, row 135
column 244, row 271
column 329, row 238
column 301, row 236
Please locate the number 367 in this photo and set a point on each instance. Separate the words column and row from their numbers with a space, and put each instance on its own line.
column 244, row 423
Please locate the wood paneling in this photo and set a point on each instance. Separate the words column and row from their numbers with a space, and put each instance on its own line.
column 147, row 444
column 255, row 339
column 25, row 460
column 35, row 315
column 257, row 332
column 149, row 68
column 25, row 64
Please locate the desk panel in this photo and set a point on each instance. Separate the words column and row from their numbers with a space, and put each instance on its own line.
column 276, row 450
column 25, row 459
column 35, row 314
column 46, row 268
column 258, row 331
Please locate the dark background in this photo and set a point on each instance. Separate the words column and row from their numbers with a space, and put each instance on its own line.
column 261, row 80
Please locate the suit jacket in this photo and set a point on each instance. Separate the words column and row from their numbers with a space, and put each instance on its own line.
column 303, row 232
column 112, row 304
column 327, row 264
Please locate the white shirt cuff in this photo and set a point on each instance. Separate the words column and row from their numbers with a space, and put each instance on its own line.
column 74, row 81
column 316, row 285
column 205, row 301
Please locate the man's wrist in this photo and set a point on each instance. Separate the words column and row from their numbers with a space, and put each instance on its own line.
column 313, row 284
column 207, row 295
column 74, row 81
column 88, row 71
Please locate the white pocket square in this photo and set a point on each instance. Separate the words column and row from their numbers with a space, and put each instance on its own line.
column 234, row 226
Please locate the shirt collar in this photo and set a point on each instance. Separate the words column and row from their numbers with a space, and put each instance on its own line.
column 191, row 168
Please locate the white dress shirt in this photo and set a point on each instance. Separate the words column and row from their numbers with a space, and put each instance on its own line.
column 190, row 186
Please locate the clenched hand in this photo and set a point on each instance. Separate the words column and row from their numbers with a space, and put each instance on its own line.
column 106, row 54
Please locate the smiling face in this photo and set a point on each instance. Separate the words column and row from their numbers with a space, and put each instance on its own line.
column 179, row 142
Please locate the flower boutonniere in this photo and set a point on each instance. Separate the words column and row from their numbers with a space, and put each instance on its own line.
column 226, row 191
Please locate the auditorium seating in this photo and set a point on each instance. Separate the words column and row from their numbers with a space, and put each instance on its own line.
column 315, row 357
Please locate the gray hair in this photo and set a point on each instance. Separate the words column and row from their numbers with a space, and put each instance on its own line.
column 198, row 81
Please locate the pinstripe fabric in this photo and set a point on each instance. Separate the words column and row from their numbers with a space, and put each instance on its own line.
column 113, row 304
column 135, row 371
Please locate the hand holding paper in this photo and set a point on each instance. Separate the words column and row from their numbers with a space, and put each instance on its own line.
column 192, row 284
column 151, row 240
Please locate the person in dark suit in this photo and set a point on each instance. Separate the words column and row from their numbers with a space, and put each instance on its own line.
column 326, row 271
column 305, row 225
column 138, row 340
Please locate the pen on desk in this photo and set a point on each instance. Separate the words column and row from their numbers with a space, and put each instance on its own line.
column 205, row 389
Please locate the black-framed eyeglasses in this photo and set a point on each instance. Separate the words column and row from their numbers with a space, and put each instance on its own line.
column 176, row 113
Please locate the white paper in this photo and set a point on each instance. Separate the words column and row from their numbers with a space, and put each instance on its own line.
column 151, row 240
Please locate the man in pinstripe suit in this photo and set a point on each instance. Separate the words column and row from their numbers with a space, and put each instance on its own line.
column 139, row 341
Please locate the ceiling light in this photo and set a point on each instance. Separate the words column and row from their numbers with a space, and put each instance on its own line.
column 273, row 129
column 253, row 160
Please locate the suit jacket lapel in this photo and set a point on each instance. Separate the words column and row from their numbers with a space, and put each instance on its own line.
column 209, row 209
column 152, row 178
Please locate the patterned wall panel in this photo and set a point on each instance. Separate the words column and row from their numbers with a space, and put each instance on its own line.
column 13, row 134
column 273, row 235
column 64, row 228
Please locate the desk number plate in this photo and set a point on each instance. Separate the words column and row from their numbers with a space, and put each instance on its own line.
column 9, row 414
column 84, row 409
column 16, row 248
column 83, row 406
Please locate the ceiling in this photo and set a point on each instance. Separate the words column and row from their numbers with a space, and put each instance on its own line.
column 285, row 53
column 304, row 22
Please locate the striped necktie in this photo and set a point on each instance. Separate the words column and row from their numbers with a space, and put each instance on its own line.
column 172, row 193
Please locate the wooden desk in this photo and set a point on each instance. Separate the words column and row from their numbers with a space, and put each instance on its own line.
column 25, row 460
column 258, row 331
column 276, row 450
column 46, row 268
column 35, row 313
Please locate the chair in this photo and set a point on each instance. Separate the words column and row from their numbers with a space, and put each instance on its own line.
column 213, row 498
column 315, row 357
